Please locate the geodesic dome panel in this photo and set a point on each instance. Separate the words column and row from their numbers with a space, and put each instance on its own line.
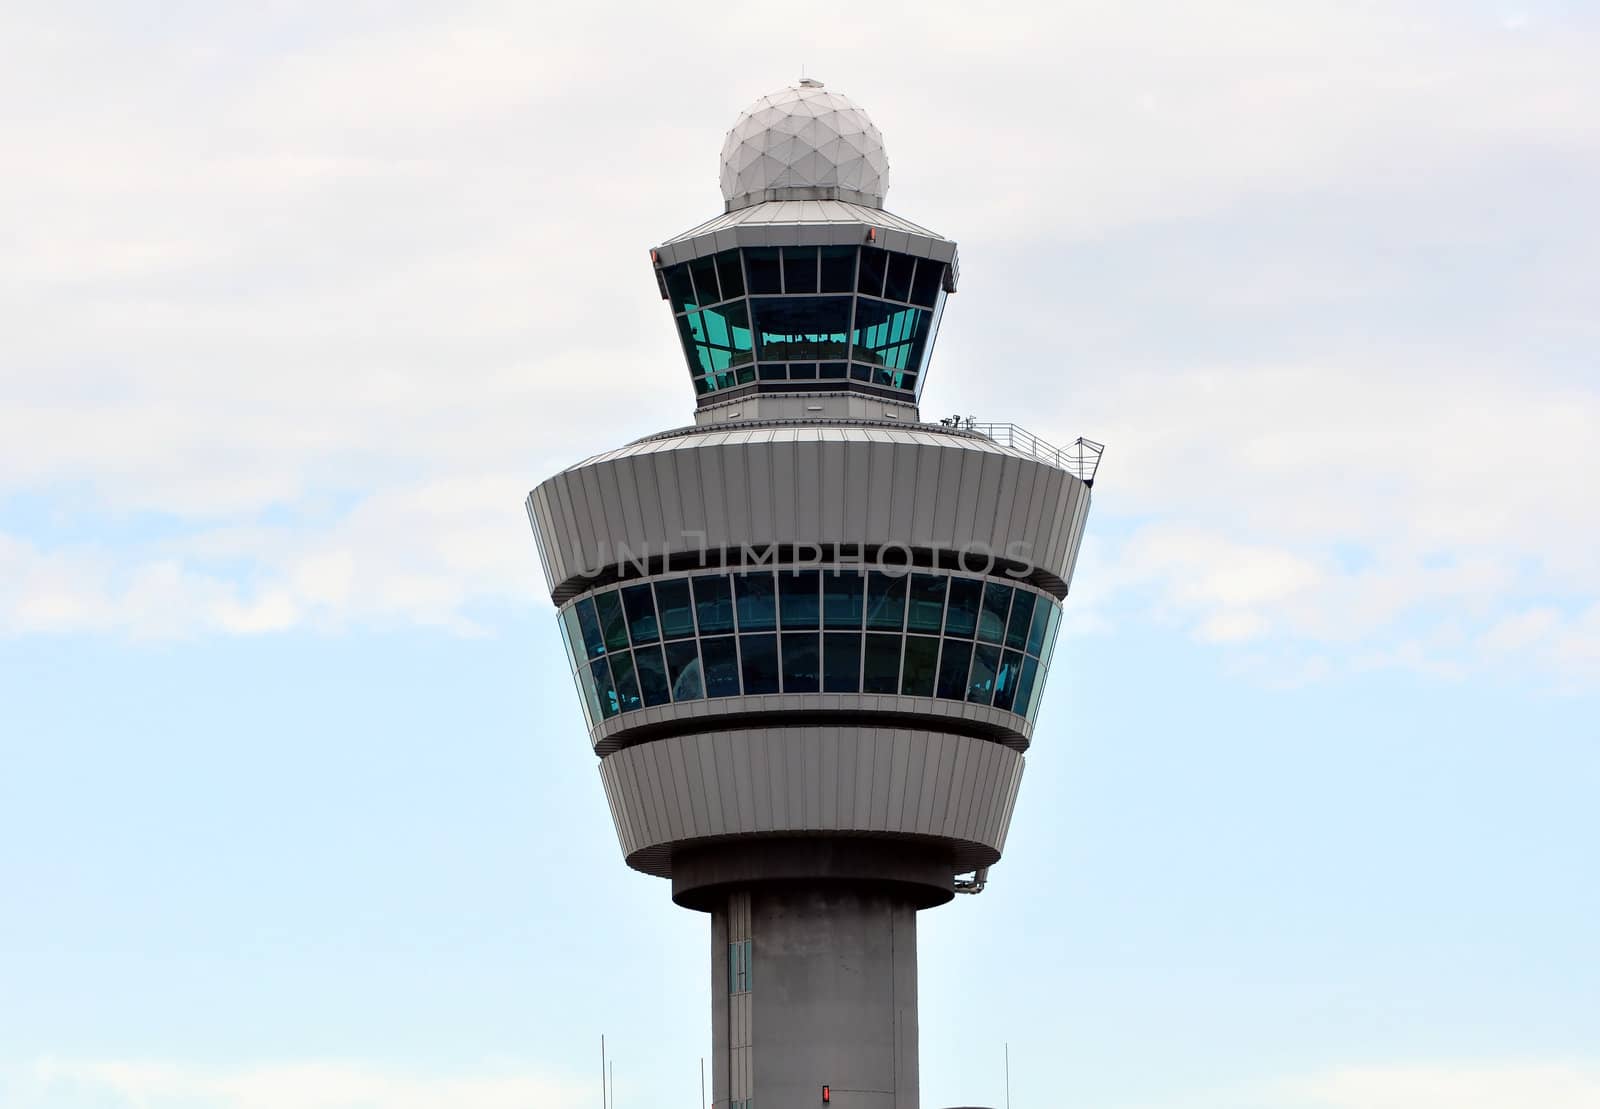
column 803, row 137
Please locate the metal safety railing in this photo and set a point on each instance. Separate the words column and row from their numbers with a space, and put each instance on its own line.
column 1081, row 457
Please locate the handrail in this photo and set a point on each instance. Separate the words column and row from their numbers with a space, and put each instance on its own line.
column 1081, row 458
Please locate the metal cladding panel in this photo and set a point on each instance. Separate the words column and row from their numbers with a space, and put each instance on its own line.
column 753, row 488
column 900, row 782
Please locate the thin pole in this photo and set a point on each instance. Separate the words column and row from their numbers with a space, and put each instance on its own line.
column 1008, row 1076
column 602, row 1070
column 702, row 1082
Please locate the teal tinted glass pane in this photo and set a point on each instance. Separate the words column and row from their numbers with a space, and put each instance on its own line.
column 841, row 662
column 590, row 695
column 799, row 269
column 775, row 372
column 762, row 272
column 880, row 664
column 730, row 275
column 841, row 599
column 640, row 607
column 713, row 604
column 797, row 598
column 627, row 681
column 612, row 624
column 683, row 670
column 1036, row 630
column 758, row 656
column 593, row 645
column 838, row 269
column 703, row 385
column 992, row 617
column 922, row 660
column 926, row 285
column 704, row 272
column 980, row 683
column 572, row 638
column 757, row 601
column 1025, row 686
column 605, row 692
column 1005, row 679
column 801, row 329
column 898, row 284
column 721, row 664
column 926, row 605
column 873, row 264
column 1021, row 617
column 886, row 600
column 652, row 671
column 889, row 336
column 966, row 596
column 1052, row 625
column 953, row 669
column 802, row 657
column 675, row 608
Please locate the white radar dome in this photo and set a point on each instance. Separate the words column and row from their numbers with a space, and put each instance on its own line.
column 804, row 141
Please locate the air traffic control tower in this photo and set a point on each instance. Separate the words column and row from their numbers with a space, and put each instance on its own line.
column 810, row 631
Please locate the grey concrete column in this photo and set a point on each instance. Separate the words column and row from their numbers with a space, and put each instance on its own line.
column 833, row 997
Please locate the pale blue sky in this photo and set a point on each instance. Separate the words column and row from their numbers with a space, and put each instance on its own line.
column 296, row 304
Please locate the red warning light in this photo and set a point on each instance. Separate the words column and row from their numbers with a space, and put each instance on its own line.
column 825, row 1096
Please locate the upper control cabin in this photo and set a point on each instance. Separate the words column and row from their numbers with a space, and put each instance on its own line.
column 805, row 283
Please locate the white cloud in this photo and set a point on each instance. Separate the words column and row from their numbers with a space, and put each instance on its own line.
column 293, row 319
column 304, row 1085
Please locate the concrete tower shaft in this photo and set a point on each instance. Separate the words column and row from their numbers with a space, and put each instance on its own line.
column 810, row 632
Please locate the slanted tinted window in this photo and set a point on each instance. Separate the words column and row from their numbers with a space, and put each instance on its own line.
column 841, row 662
column 758, row 655
column 927, row 603
column 922, row 658
column 980, row 684
column 797, row 598
column 838, row 269
column 799, row 269
column 886, row 600
column 1036, row 630
column 758, row 610
column 801, row 329
column 704, row 272
column 1025, row 684
column 801, row 658
column 898, row 286
column 591, row 696
column 713, row 604
column 1005, row 680
column 953, row 670
column 873, row 264
column 677, row 613
column 652, row 668
column 880, row 668
column 729, row 273
column 962, row 618
column 721, row 661
column 680, row 288
column 627, row 683
column 594, row 646
column 925, row 287
column 992, row 619
column 605, row 691
column 762, row 269
column 1022, row 606
column 612, row 624
column 683, row 671
column 641, row 611
column 888, row 336
column 841, row 600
